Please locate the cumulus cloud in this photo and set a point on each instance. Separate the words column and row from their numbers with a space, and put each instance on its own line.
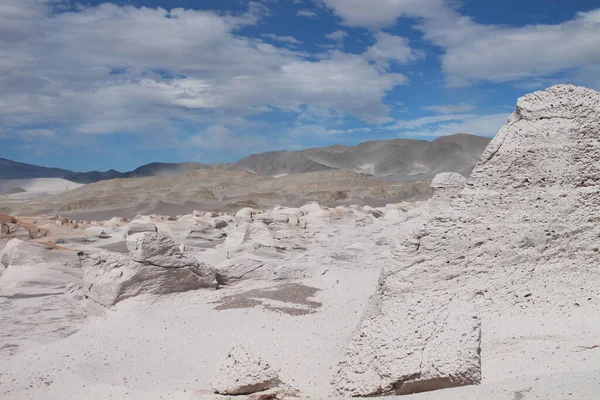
column 390, row 48
column 475, row 52
column 451, row 108
column 337, row 36
column 378, row 14
column 111, row 69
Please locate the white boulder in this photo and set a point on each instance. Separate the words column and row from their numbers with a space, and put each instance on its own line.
column 242, row 372
column 155, row 266
column 249, row 237
column 156, row 248
column 245, row 214
column 310, row 207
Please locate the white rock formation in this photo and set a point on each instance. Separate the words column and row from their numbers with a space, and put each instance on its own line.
column 419, row 346
column 155, row 266
column 114, row 222
column 242, row 372
column 394, row 213
column 156, row 248
column 138, row 227
column 524, row 227
column 32, row 268
column 245, row 214
column 372, row 211
column 247, row 267
column 446, row 180
column 310, row 207
column 252, row 238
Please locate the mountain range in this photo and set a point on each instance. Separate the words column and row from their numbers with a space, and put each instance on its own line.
column 396, row 158
column 17, row 170
column 393, row 159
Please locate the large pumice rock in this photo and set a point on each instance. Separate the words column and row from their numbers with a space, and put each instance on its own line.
column 242, row 372
column 159, row 249
column 251, row 238
column 523, row 233
column 424, row 346
column 31, row 268
column 155, row 266
column 446, row 186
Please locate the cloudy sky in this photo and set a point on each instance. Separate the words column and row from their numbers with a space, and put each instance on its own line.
column 115, row 85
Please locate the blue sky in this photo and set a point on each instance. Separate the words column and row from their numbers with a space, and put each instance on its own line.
column 99, row 85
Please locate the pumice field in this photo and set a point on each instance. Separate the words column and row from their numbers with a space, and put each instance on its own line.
column 484, row 287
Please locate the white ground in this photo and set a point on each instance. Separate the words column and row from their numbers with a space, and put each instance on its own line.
column 168, row 347
column 39, row 187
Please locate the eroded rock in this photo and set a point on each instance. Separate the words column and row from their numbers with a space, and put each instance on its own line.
column 139, row 227
column 159, row 249
column 422, row 346
column 242, row 372
column 527, row 218
column 156, row 265
column 110, row 278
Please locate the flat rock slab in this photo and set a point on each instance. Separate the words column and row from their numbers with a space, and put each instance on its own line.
column 424, row 346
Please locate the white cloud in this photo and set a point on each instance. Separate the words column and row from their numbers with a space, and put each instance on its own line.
column 382, row 13
column 451, row 108
column 424, row 121
column 476, row 52
column 284, row 39
column 111, row 69
column 443, row 125
column 389, row 48
column 312, row 112
column 306, row 14
column 337, row 36
column 348, row 131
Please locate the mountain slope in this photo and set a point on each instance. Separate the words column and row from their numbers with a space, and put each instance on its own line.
column 16, row 170
column 396, row 157
column 152, row 169
column 92, row 176
column 275, row 163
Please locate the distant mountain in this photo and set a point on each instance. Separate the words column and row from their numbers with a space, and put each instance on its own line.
column 92, row 176
column 16, row 170
column 152, row 169
column 395, row 159
column 384, row 158
column 159, row 169
column 276, row 163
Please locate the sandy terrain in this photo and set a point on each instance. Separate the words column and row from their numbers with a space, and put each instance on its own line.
column 299, row 321
column 209, row 189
